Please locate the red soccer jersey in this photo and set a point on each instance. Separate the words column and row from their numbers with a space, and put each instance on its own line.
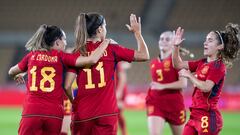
column 162, row 71
column 120, row 69
column 45, row 82
column 96, row 96
column 214, row 71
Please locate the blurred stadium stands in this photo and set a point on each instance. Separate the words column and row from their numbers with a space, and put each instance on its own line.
column 20, row 19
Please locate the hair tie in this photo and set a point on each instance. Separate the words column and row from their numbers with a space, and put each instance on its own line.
column 220, row 36
column 45, row 26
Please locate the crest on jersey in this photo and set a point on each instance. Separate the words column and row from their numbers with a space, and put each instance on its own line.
column 166, row 65
column 205, row 70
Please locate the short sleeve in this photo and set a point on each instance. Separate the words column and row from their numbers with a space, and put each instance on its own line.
column 194, row 64
column 123, row 54
column 69, row 59
column 23, row 64
column 216, row 73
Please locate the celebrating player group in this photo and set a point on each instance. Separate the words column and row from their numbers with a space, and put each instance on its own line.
column 93, row 63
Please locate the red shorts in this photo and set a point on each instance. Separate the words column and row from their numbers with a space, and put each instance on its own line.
column 100, row 126
column 40, row 126
column 172, row 117
column 167, row 104
column 204, row 123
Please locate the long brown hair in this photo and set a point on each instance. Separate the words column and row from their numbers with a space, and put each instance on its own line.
column 86, row 26
column 230, row 40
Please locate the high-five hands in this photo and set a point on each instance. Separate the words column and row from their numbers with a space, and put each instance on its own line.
column 135, row 24
column 178, row 36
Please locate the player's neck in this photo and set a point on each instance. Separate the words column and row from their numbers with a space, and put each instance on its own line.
column 211, row 58
column 164, row 55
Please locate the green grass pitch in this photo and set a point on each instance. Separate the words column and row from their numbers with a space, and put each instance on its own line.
column 136, row 122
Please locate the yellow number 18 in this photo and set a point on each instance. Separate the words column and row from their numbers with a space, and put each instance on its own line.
column 46, row 78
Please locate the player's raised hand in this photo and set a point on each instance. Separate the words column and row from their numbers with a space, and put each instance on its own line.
column 135, row 24
column 178, row 36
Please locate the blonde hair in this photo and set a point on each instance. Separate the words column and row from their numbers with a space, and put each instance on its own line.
column 36, row 42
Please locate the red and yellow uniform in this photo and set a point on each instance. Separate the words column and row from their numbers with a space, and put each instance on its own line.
column 167, row 103
column 95, row 104
column 121, row 120
column 205, row 118
column 120, row 69
column 44, row 98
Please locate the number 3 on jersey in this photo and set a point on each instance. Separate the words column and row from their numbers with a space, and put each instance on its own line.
column 102, row 82
column 46, row 78
column 160, row 74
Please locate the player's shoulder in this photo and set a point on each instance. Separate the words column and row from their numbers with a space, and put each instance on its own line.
column 114, row 45
column 218, row 64
column 75, row 53
column 57, row 52
column 200, row 62
column 154, row 60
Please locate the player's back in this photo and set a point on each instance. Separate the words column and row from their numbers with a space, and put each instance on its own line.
column 45, row 78
column 96, row 83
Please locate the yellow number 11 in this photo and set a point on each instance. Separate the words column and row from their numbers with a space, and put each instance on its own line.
column 90, row 84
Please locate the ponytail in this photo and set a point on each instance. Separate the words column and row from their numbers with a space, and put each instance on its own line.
column 231, row 43
column 81, row 34
column 36, row 41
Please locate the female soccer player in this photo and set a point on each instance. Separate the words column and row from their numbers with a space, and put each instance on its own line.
column 164, row 100
column 121, row 93
column 95, row 110
column 45, row 64
column 220, row 49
